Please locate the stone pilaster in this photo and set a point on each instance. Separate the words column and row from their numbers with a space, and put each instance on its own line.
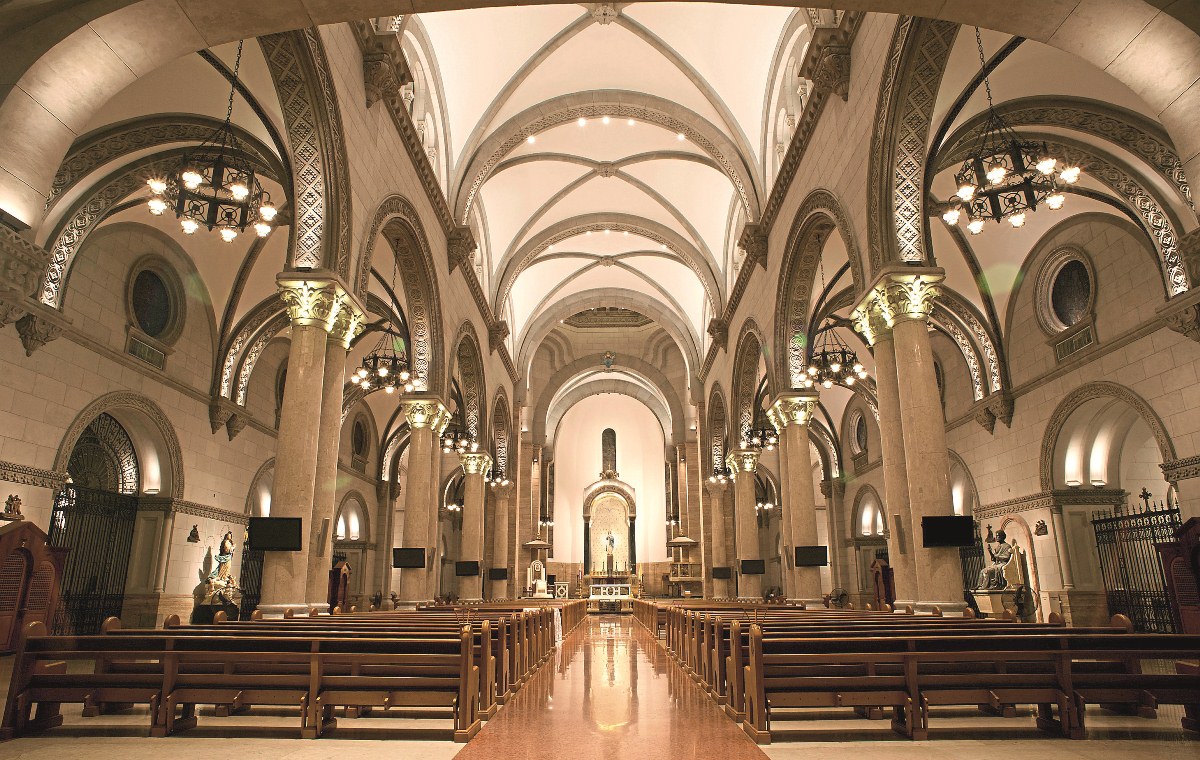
column 791, row 414
column 427, row 418
column 474, row 466
column 744, row 462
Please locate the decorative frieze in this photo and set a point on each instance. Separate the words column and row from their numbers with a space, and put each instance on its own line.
column 31, row 476
column 181, row 507
column 1181, row 469
column 1054, row 501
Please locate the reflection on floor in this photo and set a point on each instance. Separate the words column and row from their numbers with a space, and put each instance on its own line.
column 612, row 692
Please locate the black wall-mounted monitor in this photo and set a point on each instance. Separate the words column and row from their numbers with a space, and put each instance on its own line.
column 275, row 534
column 408, row 557
column 550, row 581
column 947, row 530
column 466, row 569
column 812, row 556
column 498, row 574
column 722, row 573
column 753, row 567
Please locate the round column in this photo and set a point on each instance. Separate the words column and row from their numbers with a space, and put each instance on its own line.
column 427, row 419
column 744, row 462
column 791, row 414
column 470, row 587
column 720, row 548
column 503, row 494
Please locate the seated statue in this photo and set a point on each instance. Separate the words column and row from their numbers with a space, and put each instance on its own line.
column 991, row 577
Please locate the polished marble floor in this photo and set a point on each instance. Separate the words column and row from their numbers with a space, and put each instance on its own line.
column 609, row 692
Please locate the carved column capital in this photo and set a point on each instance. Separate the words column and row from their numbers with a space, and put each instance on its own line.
column 460, row 248
column 380, row 77
column 40, row 325
column 742, row 461
column 236, row 424
column 793, row 408
column 475, row 463
column 716, row 490
column 504, row 491
column 718, row 330
column 830, row 69
column 425, row 413
column 321, row 298
column 754, row 242
column 869, row 321
column 898, row 293
column 498, row 332
column 1182, row 313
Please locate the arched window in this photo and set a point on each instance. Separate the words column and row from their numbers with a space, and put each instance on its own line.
column 1065, row 301
column 871, row 519
column 104, row 458
column 360, row 444
column 350, row 522
column 858, row 434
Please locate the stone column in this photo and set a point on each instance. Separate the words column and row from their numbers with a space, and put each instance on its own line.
column 328, row 444
column 744, row 462
column 384, row 537
column 427, row 418
column 470, row 587
column 872, row 324
column 787, row 564
column 841, row 559
column 318, row 304
column 720, row 549
column 909, row 298
column 503, row 494
column 790, row 414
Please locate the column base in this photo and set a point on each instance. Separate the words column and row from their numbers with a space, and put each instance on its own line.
column 900, row 604
column 811, row 603
column 949, row 609
column 276, row 611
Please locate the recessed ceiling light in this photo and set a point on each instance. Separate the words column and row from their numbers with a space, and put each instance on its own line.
column 663, row 247
column 581, row 121
column 605, row 120
column 630, row 122
column 531, row 139
column 680, row 136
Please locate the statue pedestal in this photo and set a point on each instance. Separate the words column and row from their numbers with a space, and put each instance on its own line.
column 994, row 604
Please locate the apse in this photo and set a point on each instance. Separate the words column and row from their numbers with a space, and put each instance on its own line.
column 578, row 463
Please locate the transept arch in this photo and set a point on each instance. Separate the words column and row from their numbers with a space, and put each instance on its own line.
column 468, row 372
column 560, row 405
column 718, row 434
column 745, row 381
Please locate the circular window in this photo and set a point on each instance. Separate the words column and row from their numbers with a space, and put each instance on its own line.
column 151, row 300
column 860, row 434
column 1071, row 293
column 358, row 439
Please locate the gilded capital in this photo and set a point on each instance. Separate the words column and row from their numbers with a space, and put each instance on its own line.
column 426, row 413
column 322, row 299
column 869, row 321
column 742, row 461
column 475, row 463
column 793, row 409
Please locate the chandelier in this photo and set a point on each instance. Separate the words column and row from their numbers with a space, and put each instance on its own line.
column 386, row 367
column 720, row 474
column 459, row 441
column 214, row 184
column 833, row 362
column 1003, row 177
column 497, row 478
column 761, row 438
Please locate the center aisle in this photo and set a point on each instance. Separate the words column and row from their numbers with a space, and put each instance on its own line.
column 612, row 692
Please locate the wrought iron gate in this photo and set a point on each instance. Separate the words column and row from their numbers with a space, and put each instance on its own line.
column 97, row 527
column 1133, row 577
column 250, row 581
column 972, row 560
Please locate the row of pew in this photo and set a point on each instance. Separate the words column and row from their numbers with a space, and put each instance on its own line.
column 465, row 661
column 760, row 662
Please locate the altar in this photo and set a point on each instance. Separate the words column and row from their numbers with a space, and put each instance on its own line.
column 610, row 597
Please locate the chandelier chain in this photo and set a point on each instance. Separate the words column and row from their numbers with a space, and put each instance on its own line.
column 987, row 85
column 237, row 65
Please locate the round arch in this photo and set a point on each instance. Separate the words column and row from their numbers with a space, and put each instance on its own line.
column 160, row 457
column 258, row 497
column 560, row 406
column 468, row 371
column 363, row 515
column 745, row 376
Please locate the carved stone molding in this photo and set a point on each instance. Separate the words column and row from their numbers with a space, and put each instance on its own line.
column 754, row 242
column 498, row 332
column 718, row 330
column 39, row 326
column 179, row 506
column 32, row 476
column 831, row 69
column 1181, row 469
column 460, row 249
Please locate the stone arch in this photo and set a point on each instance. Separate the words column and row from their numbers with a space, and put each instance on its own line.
column 468, row 372
column 561, row 405
column 1083, row 394
column 150, row 429
column 620, row 489
column 718, row 433
column 865, row 493
column 502, row 440
column 397, row 220
column 260, row 489
column 819, row 216
column 969, row 480
column 619, row 104
column 641, row 368
column 745, row 377
column 364, row 515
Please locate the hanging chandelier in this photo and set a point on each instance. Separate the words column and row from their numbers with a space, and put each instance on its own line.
column 720, row 474
column 459, row 441
column 833, row 362
column 497, row 478
column 1004, row 178
column 764, row 438
column 386, row 367
column 214, row 185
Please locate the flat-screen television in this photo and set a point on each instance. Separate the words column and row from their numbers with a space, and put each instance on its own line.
column 722, row 573
column 275, row 534
column 947, row 530
column 498, row 574
column 408, row 557
column 812, row 556
column 753, row 567
column 550, row 581
column 466, row 569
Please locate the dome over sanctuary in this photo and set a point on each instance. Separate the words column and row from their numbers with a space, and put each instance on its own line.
column 453, row 371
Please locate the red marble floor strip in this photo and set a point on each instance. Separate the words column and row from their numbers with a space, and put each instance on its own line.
column 611, row 694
